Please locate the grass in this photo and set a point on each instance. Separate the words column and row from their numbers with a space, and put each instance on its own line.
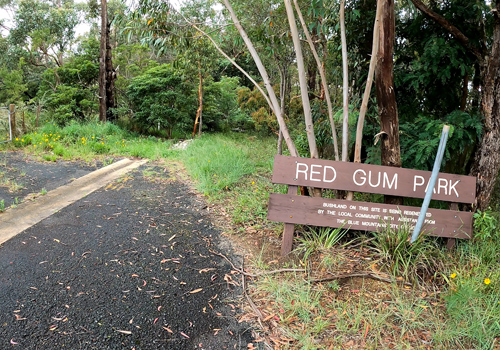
column 453, row 301
column 88, row 141
column 235, row 170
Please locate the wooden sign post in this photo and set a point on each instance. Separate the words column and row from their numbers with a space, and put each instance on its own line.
column 292, row 209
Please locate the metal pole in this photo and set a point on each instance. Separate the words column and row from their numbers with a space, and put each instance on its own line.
column 432, row 183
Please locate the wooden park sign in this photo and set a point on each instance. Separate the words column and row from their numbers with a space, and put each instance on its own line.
column 292, row 209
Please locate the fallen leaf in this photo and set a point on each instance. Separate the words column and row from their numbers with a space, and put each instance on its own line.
column 168, row 329
column 124, row 332
column 184, row 335
column 13, row 342
column 268, row 318
column 19, row 318
column 196, row 291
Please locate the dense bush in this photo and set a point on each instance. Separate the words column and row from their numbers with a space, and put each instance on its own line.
column 70, row 92
column 161, row 98
column 221, row 110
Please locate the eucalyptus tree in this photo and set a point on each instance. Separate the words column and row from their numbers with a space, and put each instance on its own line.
column 166, row 31
column 45, row 30
column 386, row 95
column 479, row 35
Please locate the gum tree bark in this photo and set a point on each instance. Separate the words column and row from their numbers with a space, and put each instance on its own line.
column 102, row 62
column 267, row 82
column 106, row 72
column 386, row 97
column 323, row 78
column 311, row 137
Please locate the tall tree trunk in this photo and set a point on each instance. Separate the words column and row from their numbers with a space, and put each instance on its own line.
column 486, row 164
column 311, row 137
column 265, row 77
column 110, row 77
column 345, row 86
column 200, row 101
column 284, row 92
column 102, row 62
column 386, row 98
column 321, row 67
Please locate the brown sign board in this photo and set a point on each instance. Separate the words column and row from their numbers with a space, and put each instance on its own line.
column 293, row 209
column 368, row 178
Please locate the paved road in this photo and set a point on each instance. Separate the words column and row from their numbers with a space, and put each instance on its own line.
column 21, row 175
column 127, row 267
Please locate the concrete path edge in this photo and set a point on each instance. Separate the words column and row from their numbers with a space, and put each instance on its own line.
column 16, row 220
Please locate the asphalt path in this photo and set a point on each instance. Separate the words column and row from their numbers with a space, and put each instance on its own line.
column 22, row 175
column 130, row 266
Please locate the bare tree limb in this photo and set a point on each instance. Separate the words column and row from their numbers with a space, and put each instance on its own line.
column 345, row 88
column 302, row 80
column 368, row 87
column 232, row 61
column 323, row 78
column 359, row 275
column 443, row 22
column 265, row 78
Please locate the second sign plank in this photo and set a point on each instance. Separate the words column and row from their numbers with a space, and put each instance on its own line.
column 367, row 216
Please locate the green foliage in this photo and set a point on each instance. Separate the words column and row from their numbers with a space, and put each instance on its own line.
column 12, row 86
column 485, row 226
column 318, row 238
column 43, row 28
column 162, row 97
column 254, row 104
column 412, row 261
column 221, row 110
column 69, row 92
column 420, row 140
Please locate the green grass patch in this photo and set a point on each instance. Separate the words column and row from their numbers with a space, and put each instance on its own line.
column 234, row 170
column 88, row 141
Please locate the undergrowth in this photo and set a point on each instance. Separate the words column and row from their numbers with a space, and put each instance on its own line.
column 87, row 141
column 234, row 170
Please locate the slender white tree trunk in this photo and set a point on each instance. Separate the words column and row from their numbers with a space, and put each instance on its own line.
column 345, row 88
column 302, row 81
column 267, row 82
column 368, row 87
column 323, row 78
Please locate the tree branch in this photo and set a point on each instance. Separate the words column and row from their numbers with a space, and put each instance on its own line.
column 454, row 31
column 323, row 78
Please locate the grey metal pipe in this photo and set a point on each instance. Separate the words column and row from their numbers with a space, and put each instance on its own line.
column 432, row 183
